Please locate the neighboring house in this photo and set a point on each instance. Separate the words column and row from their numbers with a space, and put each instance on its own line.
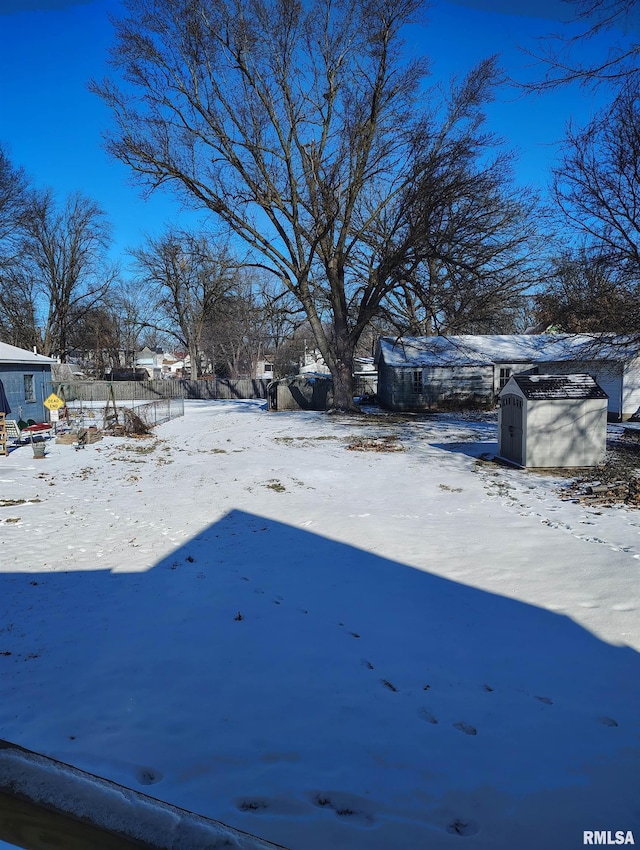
column 27, row 382
column 552, row 421
column 150, row 359
column 439, row 373
column 312, row 363
column 178, row 367
column 171, row 365
column 158, row 363
column 264, row 368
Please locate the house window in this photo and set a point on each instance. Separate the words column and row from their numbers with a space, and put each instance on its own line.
column 268, row 368
column 417, row 381
column 29, row 388
column 505, row 374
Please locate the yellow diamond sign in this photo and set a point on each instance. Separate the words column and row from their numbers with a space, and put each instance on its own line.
column 53, row 402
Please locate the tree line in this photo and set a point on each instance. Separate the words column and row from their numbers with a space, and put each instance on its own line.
column 351, row 196
column 185, row 291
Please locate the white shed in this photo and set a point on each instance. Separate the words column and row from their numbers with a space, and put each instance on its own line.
column 552, row 421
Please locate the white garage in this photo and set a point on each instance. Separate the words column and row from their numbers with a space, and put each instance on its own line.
column 552, row 421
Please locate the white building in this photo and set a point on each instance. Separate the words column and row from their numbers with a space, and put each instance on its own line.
column 431, row 373
column 313, row 363
column 552, row 421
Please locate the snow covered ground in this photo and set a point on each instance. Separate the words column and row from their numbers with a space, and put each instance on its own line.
column 332, row 649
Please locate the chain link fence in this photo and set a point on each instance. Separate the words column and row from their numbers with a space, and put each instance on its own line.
column 157, row 412
column 102, row 414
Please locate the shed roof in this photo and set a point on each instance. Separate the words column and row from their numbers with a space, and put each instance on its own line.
column 503, row 348
column 13, row 354
column 550, row 387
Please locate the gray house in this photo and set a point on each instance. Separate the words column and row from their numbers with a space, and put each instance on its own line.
column 552, row 421
column 445, row 372
column 26, row 378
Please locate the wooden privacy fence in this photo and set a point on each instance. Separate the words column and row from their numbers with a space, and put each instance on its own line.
column 204, row 389
column 226, row 388
column 218, row 388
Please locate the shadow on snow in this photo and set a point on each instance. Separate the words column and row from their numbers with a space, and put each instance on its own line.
column 471, row 448
column 264, row 673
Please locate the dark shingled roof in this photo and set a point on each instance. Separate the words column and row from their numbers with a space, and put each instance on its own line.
column 559, row 386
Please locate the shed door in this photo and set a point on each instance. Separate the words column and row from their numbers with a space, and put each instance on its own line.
column 511, row 413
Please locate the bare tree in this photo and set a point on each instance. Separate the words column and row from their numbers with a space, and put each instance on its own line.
column 234, row 333
column 597, row 182
column 132, row 310
column 584, row 295
column 301, row 127
column 94, row 339
column 13, row 198
column 187, row 276
column 597, row 185
column 474, row 307
column 234, row 342
column 62, row 269
column 477, row 252
column 249, row 324
column 156, row 339
column 588, row 19
column 16, row 321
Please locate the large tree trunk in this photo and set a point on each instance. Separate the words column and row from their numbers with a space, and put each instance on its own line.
column 342, row 370
column 343, row 389
column 194, row 358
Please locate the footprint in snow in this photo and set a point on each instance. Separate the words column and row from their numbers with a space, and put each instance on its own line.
column 462, row 827
column 148, row 775
column 254, row 804
column 466, row 728
column 345, row 805
column 425, row 714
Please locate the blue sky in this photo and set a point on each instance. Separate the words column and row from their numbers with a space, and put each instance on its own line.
column 52, row 125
